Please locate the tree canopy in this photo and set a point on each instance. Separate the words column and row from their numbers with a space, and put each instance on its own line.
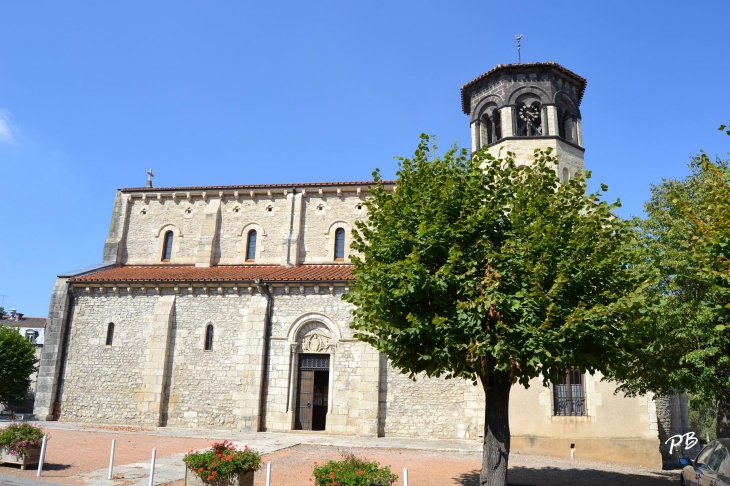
column 17, row 364
column 480, row 268
column 684, row 344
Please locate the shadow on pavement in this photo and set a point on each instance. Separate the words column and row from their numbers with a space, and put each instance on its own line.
column 50, row 466
column 47, row 466
column 551, row 476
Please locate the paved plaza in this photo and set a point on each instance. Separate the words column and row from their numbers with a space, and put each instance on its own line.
column 78, row 454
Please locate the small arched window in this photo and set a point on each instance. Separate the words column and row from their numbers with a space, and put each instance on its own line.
column 167, row 247
column 208, row 337
column 566, row 174
column 339, row 244
column 251, row 246
column 109, row 334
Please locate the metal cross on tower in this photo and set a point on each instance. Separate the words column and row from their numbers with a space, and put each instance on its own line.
column 519, row 58
column 150, row 175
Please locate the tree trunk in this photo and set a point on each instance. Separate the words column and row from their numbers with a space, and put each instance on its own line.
column 496, row 431
column 722, row 428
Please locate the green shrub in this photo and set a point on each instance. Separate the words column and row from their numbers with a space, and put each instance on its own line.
column 18, row 438
column 222, row 462
column 702, row 417
column 351, row 471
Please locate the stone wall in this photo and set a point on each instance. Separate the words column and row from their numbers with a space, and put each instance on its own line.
column 102, row 383
column 323, row 215
column 158, row 373
column 429, row 407
column 270, row 217
column 291, row 227
column 570, row 157
column 200, row 393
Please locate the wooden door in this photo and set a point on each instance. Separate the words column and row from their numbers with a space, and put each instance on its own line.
column 304, row 400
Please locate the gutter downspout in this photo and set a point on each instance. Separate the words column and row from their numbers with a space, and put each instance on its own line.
column 264, row 288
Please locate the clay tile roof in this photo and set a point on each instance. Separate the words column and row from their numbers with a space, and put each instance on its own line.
column 34, row 322
column 223, row 273
column 465, row 101
column 254, row 186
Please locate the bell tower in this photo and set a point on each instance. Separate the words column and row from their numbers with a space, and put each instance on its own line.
column 521, row 107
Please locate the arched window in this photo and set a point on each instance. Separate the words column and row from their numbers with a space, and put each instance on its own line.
column 110, row 334
column 566, row 175
column 167, row 247
column 497, row 124
column 561, row 123
column 490, row 126
column 251, row 246
column 528, row 120
column 567, row 116
column 339, row 244
column 208, row 337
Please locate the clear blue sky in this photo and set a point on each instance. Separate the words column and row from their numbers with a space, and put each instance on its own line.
column 92, row 94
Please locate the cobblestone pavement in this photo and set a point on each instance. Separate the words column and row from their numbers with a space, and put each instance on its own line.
column 78, row 454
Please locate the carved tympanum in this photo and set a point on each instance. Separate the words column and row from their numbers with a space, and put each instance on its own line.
column 316, row 342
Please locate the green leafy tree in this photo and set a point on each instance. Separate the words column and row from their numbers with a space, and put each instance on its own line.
column 685, row 343
column 476, row 268
column 17, row 364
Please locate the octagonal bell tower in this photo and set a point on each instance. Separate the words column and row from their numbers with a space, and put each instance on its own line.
column 521, row 107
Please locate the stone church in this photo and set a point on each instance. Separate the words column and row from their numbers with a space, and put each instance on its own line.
column 221, row 307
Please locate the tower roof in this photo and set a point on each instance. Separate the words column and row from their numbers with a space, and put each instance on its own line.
column 465, row 101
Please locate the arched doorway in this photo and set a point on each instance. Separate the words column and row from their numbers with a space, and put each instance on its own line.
column 313, row 392
column 313, row 344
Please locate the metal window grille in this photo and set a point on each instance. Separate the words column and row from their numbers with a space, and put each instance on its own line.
column 251, row 246
column 314, row 361
column 569, row 393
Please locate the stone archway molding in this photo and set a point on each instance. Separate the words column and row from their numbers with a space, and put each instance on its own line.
column 310, row 317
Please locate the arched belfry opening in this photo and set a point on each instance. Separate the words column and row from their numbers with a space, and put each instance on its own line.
column 312, row 374
column 490, row 125
column 528, row 120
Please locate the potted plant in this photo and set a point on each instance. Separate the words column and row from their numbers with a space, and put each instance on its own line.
column 222, row 465
column 20, row 444
column 351, row 471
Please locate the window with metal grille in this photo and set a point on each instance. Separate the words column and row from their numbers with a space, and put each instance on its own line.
column 167, row 248
column 209, row 337
column 339, row 244
column 314, row 361
column 251, row 246
column 110, row 334
column 569, row 393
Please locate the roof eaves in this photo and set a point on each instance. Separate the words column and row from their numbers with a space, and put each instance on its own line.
column 256, row 186
column 466, row 107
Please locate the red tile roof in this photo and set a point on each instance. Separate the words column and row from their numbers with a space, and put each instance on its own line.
column 466, row 102
column 223, row 273
column 253, row 186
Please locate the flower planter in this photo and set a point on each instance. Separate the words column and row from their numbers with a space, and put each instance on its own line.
column 240, row 479
column 32, row 456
